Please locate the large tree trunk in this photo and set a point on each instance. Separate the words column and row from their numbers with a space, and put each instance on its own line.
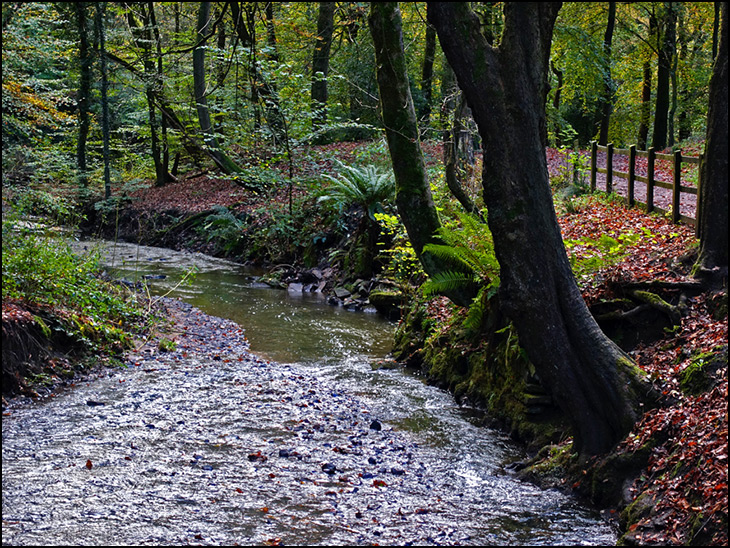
column 413, row 191
column 596, row 383
column 713, row 226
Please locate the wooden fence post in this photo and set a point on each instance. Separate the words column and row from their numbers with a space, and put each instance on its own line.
column 632, row 174
column 594, row 159
column 609, row 168
column 650, row 183
column 676, row 186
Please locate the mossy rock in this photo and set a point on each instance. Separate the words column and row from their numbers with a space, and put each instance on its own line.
column 387, row 303
column 641, row 507
column 609, row 481
column 699, row 376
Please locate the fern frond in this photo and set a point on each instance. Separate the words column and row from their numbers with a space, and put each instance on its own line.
column 443, row 282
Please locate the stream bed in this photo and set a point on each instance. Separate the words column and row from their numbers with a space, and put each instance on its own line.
column 296, row 440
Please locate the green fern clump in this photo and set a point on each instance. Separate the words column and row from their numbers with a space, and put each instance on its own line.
column 470, row 250
column 225, row 228
column 368, row 187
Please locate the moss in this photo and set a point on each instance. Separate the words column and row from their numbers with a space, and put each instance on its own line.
column 387, row 303
column 550, row 465
column 638, row 509
column 655, row 301
column 696, row 378
column 607, row 483
column 487, row 369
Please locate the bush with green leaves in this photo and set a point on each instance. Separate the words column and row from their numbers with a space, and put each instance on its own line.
column 401, row 264
column 589, row 255
column 41, row 270
column 225, row 229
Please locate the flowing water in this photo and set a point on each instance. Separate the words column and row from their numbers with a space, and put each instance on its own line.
column 305, row 444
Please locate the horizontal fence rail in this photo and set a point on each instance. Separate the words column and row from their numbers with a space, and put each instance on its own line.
column 676, row 187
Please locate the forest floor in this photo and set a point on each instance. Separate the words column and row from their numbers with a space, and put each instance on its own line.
column 684, row 486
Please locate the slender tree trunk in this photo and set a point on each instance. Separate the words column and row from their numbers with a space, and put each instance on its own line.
column 413, row 190
column 429, row 56
column 271, row 32
column 321, row 62
column 157, row 91
column 142, row 33
column 645, row 117
column 261, row 89
column 100, row 34
column 712, row 264
column 220, row 73
column 84, row 97
column 608, row 91
column 201, row 100
column 664, row 73
column 452, row 165
column 596, row 383
column 559, row 87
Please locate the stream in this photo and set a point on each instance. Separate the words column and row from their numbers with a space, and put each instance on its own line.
column 299, row 442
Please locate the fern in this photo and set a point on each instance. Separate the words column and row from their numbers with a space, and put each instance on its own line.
column 224, row 227
column 369, row 187
column 443, row 282
column 469, row 250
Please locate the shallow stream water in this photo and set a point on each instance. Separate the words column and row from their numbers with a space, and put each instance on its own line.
column 302, row 443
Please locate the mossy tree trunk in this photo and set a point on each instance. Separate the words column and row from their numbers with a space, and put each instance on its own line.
column 413, row 191
column 596, row 383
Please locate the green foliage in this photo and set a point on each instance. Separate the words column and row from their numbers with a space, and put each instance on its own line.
column 226, row 229
column 401, row 263
column 279, row 234
column 41, row 269
column 470, row 249
column 589, row 255
column 166, row 345
column 29, row 202
column 369, row 187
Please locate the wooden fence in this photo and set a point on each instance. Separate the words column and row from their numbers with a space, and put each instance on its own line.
column 631, row 177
